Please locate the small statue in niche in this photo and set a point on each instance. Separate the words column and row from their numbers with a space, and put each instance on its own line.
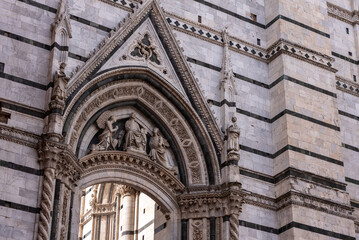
column 93, row 201
column 158, row 151
column 106, row 139
column 233, row 133
column 60, row 82
column 135, row 138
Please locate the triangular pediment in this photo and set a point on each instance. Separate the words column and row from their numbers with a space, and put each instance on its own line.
column 145, row 39
column 143, row 48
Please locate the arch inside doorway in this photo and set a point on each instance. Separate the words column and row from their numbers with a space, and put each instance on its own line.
column 138, row 180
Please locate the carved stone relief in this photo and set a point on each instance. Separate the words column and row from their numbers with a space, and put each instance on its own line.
column 135, row 135
column 144, row 48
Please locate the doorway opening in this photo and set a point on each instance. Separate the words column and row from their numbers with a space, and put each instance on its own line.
column 113, row 211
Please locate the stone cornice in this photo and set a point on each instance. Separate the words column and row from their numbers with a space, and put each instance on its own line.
column 19, row 136
column 299, row 199
column 347, row 86
column 351, row 17
column 125, row 4
column 265, row 55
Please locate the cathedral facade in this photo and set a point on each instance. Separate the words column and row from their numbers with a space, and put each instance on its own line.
column 190, row 119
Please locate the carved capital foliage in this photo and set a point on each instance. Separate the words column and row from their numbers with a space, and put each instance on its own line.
column 204, row 203
column 102, row 161
column 127, row 190
column 57, row 156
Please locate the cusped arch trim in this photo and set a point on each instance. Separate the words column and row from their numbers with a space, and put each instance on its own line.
column 147, row 76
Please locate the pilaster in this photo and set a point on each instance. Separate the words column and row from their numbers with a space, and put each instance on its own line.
column 309, row 138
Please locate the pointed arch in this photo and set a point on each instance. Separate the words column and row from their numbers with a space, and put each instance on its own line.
column 146, row 90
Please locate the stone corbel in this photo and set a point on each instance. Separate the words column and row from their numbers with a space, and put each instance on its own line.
column 224, row 202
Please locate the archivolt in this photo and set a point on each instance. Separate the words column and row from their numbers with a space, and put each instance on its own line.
column 147, row 89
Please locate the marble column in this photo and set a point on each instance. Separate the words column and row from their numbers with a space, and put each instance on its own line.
column 118, row 204
column 127, row 213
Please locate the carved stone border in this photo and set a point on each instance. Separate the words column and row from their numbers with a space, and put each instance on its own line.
column 119, row 4
column 343, row 14
column 299, row 199
column 19, row 136
column 347, row 86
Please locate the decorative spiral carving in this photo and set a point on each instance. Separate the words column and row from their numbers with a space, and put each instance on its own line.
column 46, row 203
column 234, row 227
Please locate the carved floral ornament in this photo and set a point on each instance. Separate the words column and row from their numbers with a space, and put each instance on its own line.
column 142, row 92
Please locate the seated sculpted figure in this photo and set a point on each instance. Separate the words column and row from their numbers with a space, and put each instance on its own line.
column 158, row 151
column 135, row 138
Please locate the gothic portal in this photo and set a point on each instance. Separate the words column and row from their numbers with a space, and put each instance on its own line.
column 190, row 120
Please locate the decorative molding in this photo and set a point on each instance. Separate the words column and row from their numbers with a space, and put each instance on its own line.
column 251, row 50
column 218, row 201
column 103, row 209
column 347, row 86
column 351, row 17
column 300, row 199
column 123, row 4
column 136, row 162
column 19, row 136
column 300, row 52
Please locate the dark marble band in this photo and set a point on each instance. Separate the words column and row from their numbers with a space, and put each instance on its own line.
column 21, row 168
column 20, row 207
column 294, row 225
column 261, row 84
column 248, row 20
column 292, row 172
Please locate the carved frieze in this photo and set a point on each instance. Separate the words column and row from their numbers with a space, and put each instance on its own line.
column 101, row 161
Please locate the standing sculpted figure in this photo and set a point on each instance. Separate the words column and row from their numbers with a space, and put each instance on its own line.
column 60, row 82
column 135, row 138
column 233, row 137
column 158, row 151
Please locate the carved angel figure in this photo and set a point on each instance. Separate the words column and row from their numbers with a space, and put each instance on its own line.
column 106, row 139
column 135, row 138
column 60, row 82
column 233, row 136
column 158, row 151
